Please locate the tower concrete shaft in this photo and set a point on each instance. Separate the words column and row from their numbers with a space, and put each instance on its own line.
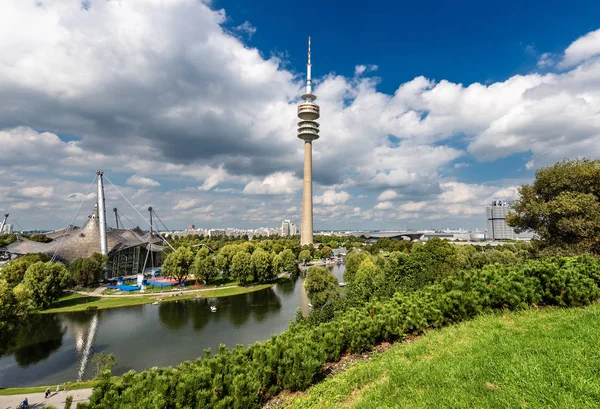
column 306, row 236
column 308, row 131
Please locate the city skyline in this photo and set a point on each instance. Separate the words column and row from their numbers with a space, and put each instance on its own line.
column 190, row 108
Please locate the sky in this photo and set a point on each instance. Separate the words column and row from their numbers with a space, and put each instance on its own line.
column 429, row 110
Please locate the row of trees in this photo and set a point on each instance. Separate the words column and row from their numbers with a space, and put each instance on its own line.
column 243, row 262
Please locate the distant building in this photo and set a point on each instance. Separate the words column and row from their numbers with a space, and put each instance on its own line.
column 7, row 229
column 191, row 227
column 498, row 229
column 293, row 229
column 285, row 228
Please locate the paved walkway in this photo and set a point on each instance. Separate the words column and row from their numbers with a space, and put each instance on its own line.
column 37, row 400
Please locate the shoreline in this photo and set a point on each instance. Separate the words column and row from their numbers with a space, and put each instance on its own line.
column 82, row 301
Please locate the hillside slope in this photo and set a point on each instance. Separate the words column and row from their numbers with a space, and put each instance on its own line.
column 535, row 358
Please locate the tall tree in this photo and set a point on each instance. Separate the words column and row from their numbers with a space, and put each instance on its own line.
column 321, row 286
column 241, row 266
column 305, row 256
column 562, row 205
column 14, row 271
column 326, row 252
column 86, row 271
column 203, row 266
column 262, row 265
column 289, row 261
column 177, row 264
column 14, row 307
column 46, row 282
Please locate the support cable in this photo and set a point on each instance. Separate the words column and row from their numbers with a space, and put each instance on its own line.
column 15, row 222
column 130, row 204
column 73, row 219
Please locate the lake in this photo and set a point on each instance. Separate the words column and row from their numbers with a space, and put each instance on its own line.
column 54, row 348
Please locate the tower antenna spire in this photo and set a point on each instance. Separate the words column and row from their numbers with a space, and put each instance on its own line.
column 308, row 69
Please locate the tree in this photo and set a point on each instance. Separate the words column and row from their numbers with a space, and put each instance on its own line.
column 46, row 282
column 104, row 362
column 86, row 271
column 177, row 264
column 305, row 256
column 14, row 307
column 277, row 264
column 221, row 263
column 353, row 260
column 262, row 265
column 241, row 266
column 289, row 261
column 562, row 205
column 326, row 252
column 14, row 271
column 321, row 286
column 203, row 266
column 369, row 282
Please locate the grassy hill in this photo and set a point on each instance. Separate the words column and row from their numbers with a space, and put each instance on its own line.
column 539, row 358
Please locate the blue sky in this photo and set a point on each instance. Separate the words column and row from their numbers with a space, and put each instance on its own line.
column 429, row 110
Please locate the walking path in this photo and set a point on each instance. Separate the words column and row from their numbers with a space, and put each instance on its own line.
column 37, row 400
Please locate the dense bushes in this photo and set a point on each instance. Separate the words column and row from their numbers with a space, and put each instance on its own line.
column 246, row 377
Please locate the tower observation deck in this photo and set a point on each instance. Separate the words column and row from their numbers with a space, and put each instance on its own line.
column 308, row 131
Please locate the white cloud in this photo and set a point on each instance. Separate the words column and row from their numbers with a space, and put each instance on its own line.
column 384, row 205
column 141, row 181
column 387, row 195
column 185, row 204
column 582, row 49
column 37, row 191
column 331, row 198
column 530, row 165
column 278, row 183
column 413, row 206
column 246, row 27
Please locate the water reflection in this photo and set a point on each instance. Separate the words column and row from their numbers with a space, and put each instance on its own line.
column 38, row 338
column 173, row 315
column 55, row 348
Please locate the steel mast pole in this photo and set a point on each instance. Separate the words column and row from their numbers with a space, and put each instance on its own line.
column 102, row 215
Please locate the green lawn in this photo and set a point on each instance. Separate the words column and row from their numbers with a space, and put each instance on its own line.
column 71, row 386
column 78, row 302
column 547, row 358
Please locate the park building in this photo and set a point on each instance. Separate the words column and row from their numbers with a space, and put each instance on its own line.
column 129, row 250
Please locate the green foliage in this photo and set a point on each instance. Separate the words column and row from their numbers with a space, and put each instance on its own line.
column 40, row 238
column 177, row 264
column 221, row 262
column 87, row 271
column 241, row 266
column 321, row 286
column 277, row 264
column 203, row 266
column 104, row 363
column 68, row 402
column 353, row 260
column 305, row 255
column 262, row 265
column 14, row 308
column 326, row 252
column 289, row 261
column 247, row 377
column 368, row 283
column 563, row 206
column 46, row 282
column 6, row 239
column 14, row 271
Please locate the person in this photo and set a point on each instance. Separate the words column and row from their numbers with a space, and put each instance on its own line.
column 47, row 393
column 24, row 404
column 57, row 388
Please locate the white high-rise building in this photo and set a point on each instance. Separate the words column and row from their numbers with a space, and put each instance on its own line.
column 496, row 220
column 7, row 229
column 285, row 228
column 293, row 229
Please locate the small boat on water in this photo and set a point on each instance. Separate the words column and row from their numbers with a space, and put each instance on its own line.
column 213, row 308
column 155, row 303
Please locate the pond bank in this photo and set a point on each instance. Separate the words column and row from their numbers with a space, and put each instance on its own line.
column 82, row 301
